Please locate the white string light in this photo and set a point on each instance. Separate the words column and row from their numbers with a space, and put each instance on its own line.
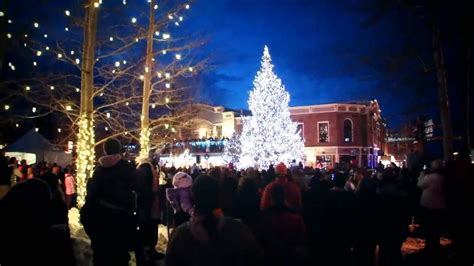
column 124, row 2
column 134, row 20
column 188, row 6
column 72, row 52
column 153, row 106
column 17, row 125
column 108, row 115
column 6, row 107
column 45, row 35
column 59, row 130
column 27, row 88
column 9, row 35
column 167, row 75
column 47, row 48
column 35, row 63
column 117, row 64
column 60, row 55
column 38, row 53
column 190, row 69
column 178, row 56
column 159, row 74
column 10, row 21
column 36, row 25
column 157, row 33
column 33, row 110
column 67, row 13
column 111, row 38
column 78, row 61
column 166, row 36
column 66, row 29
column 170, row 16
column 2, row 14
column 167, row 85
column 36, row 129
column 51, row 88
column 164, row 51
column 68, row 108
column 155, row 7
column 78, row 90
column 181, row 18
column 96, row 4
column 124, row 62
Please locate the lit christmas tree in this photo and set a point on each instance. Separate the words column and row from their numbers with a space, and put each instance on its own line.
column 232, row 150
column 269, row 136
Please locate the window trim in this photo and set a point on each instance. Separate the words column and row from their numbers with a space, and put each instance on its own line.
column 329, row 135
column 344, row 130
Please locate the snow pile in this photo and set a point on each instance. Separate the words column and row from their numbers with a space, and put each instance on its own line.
column 162, row 238
column 81, row 244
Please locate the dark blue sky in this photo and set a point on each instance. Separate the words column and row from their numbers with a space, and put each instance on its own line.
column 323, row 51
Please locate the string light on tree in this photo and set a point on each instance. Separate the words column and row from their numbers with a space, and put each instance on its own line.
column 36, row 25
column 166, row 36
column 68, row 108
column 155, row 7
column 78, row 61
column 134, row 20
column 36, row 129
column 6, row 107
column 66, row 29
column 96, row 4
column 167, row 85
column 188, row 6
column 35, row 63
column 51, row 88
column 17, row 125
column 9, row 35
column 33, row 110
column 27, row 88
column 38, row 53
column 59, row 130
column 47, row 48
column 72, row 52
column 111, row 38
column 178, row 56
column 67, row 13
column 60, row 56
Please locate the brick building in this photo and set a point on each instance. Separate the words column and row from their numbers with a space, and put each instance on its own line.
column 339, row 132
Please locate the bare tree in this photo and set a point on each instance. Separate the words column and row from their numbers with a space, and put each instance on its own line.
column 105, row 100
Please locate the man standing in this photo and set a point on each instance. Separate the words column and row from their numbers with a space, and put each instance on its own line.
column 5, row 174
column 109, row 213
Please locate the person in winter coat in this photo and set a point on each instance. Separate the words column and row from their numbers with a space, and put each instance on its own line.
column 292, row 191
column 147, row 188
column 283, row 233
column 433, row 204
column 210, row 238
column 109, row 213
column 70, row 188
column 5, row 174
column 180, row 197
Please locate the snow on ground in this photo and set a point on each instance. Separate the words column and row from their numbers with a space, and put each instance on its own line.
column 81, row 243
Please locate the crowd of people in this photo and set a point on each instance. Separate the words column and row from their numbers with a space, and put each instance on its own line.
column 282, row 215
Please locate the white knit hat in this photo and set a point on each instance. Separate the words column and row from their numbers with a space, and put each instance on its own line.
column 182, row 180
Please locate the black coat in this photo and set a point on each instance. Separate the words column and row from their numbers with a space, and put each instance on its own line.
column 109, row 213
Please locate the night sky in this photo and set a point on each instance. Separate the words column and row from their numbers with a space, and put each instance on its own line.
column 324, row 51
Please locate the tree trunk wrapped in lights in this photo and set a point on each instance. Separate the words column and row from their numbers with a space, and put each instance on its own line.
column 85, row 145
column 269, row 136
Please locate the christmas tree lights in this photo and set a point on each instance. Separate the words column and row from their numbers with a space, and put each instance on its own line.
column 269, row 136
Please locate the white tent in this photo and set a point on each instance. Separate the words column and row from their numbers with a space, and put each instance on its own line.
column 33, row 147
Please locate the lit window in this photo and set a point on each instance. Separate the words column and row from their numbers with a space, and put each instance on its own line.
column 348, row 131
column 323, row 132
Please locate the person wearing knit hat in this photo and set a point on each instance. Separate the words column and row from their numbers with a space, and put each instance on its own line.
column 108, row 213
column 281, row 169
column 291, row 190
column 180, row 197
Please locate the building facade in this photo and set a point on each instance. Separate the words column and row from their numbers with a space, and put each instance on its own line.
column 332, row 133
